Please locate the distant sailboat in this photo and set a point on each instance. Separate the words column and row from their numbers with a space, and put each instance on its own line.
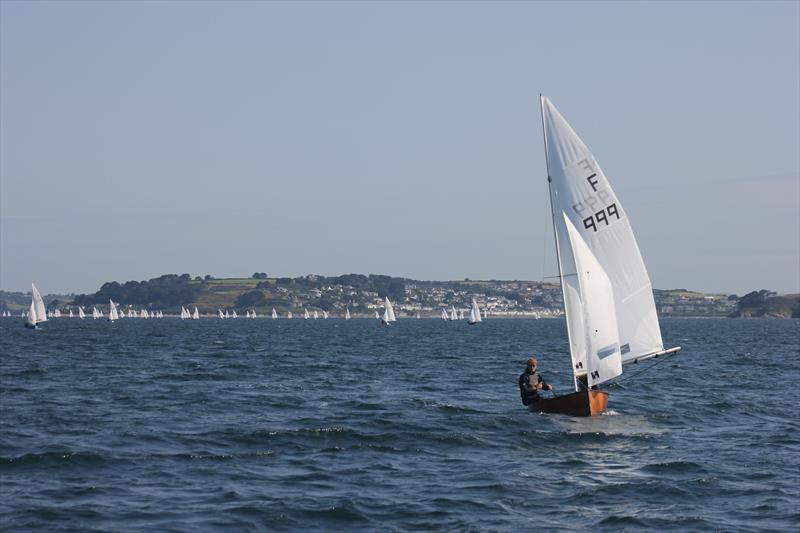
column 347, row 313
column 196, row 314
column 274, row 314
column 324, row 315
column 316, row 315
column 95, row 313
column 112, row 311
column 221, row 314
column 307, row 316
column 388, row 312
column 37, row 312
column 453, row 313
column 289, row 314
column 417, row 315
column 247, row 314
column 227, row 314
column 81, row 313
column 608, row 297
column 444, row 314
column 378, row 316
column 57, row 313
column 474, row 313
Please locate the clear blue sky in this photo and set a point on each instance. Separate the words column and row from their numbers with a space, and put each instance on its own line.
column 400, row 138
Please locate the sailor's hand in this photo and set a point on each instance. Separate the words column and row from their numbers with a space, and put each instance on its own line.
column 550, row 387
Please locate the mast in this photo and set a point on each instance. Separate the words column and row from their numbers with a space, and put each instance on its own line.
column 555, row 234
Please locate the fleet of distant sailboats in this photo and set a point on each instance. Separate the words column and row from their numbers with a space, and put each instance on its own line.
column 38, row 312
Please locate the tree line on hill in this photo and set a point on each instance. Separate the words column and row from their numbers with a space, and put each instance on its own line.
column 163, row 292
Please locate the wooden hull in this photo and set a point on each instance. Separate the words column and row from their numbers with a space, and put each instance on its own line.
column 583, row 403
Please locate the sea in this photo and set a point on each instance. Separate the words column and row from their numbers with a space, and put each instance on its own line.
column 334, row 425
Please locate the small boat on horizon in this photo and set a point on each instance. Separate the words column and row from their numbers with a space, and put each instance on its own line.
column 388, row 312
column 37, row 312
column 474, row 313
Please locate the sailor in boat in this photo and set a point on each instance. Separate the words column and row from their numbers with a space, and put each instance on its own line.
column 530, row 383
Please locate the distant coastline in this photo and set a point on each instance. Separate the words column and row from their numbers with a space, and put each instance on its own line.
column 363, row 295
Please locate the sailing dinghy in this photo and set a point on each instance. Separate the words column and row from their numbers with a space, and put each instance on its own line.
column 474, row 313
column 388, row 312
column 608, row 298
column 112, row 311
column 37, row 312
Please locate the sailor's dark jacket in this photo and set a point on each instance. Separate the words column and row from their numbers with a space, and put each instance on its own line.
column 527, row 386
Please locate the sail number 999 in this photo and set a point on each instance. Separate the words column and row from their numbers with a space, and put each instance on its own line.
column 604, row 215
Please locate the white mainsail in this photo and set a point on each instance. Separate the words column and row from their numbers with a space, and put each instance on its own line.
column 196, row 314
column 388, row 311
column 603, row 278
column 112, row 311
column 580, row 190
column 221, row 314
column 289, row 314
column 37, row 312
column 233, row 314
column 316, row 315
column 347, row 313
column 306, row 316
column 274, row 314
column 70, row 313
column 444, row 314
column 227, row 314
column 474, row 313
column 453, row 313
column 324, row 315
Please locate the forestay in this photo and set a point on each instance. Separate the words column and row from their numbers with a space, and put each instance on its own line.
column 580, row 191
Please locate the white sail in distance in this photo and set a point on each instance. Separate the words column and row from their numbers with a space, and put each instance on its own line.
column 196, row 314
column 444, row 314
column 580, row 191
column 274, row 314
column 347, row 313
column 112, row 311
column 474, row 312
column 37, row 306
column 388, row 311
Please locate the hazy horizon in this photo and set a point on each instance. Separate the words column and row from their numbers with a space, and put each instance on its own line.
column 140, row 139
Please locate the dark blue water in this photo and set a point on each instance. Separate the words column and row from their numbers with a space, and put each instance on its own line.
column 284, row 425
